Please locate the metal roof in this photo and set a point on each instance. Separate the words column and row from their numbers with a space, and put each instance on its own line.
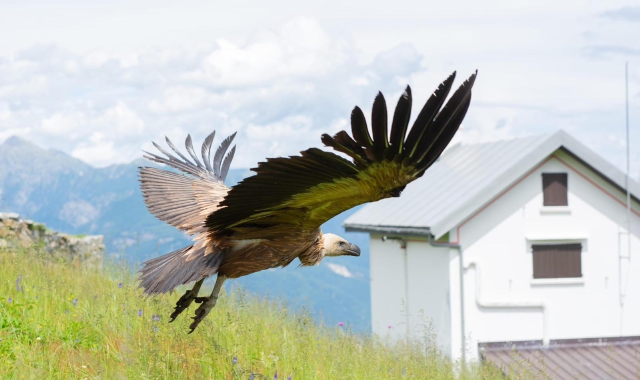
column 595, row 358
column 465, row 178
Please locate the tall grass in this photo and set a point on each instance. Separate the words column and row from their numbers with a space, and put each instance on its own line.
column 61, row 321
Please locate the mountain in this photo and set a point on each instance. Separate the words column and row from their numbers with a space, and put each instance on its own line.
column 71, row 196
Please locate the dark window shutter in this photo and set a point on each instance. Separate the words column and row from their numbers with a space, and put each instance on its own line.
column 554, row 186
column 557, row 261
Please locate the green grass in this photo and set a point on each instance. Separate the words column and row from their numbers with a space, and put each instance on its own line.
column 45, row 335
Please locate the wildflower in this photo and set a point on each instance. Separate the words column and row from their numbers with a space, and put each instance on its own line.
column 290, row 377
column 18, row 288
column 235, row 360
column 155, row 328
column 139, row 312
column 75, row 302
column 38, row 338
column 389, row 327
column 251, row 377
column 66, row 311
column 340, row 324
column 275, row 377
column 120, row 285
column 10, row 300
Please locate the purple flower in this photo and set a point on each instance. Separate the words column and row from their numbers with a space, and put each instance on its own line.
column 19, row 288
column 389, row 327
column 275, row 377
column 155, row 318
column 155, row 328
column 75, row 302
column 251, row 377
column 290, row 377
column 340, row 324
column 66, row 311
column 139, row 312
column 235, row 360
column 10, row 300
column 120, row 285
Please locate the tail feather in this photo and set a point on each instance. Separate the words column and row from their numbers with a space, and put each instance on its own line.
column 165, row 273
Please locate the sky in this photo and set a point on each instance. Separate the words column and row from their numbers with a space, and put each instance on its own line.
column 100, row 80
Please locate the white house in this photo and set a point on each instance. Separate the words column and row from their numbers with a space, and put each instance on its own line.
column 519, row 240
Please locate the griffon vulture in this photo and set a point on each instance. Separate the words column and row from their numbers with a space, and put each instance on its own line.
column 273, row 217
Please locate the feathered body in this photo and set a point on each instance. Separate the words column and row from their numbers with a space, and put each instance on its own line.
column 270, row 219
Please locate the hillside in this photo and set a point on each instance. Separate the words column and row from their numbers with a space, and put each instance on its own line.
column 65, row 322
column 70, row 196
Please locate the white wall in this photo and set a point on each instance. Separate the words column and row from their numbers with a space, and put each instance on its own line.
column 427, row 311
column 498, row 241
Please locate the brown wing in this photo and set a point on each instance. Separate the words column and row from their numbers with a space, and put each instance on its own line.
column 305, row 191
column 184, row 201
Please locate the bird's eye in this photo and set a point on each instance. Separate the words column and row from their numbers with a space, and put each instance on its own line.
column 342, row 244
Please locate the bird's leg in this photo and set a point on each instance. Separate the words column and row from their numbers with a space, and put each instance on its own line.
column 207, row 303
column 186, row 300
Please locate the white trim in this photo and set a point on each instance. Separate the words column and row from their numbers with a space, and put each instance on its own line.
column 556, row 236
column 555, row 210
column 557, row 281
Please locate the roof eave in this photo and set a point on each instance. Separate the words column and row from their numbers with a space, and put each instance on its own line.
column 395, row 230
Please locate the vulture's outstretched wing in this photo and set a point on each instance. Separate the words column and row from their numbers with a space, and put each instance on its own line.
column 306, row 191
column 184, row 201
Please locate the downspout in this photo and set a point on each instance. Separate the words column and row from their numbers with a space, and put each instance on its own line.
column 463, row 328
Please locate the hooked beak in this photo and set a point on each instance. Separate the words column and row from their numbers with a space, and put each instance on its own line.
column 353, row 250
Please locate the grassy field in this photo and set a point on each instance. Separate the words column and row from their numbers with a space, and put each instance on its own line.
column 60, row 321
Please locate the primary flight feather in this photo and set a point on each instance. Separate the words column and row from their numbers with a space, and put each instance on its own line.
column 270, row 219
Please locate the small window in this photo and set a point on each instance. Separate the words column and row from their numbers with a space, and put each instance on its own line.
column 554, row 189
column 557, row 261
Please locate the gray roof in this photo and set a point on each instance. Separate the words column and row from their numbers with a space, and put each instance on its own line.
column 465, row 178
column 594, row 358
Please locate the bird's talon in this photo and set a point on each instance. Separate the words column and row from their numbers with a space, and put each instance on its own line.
column 201, row 312
column 182, row 304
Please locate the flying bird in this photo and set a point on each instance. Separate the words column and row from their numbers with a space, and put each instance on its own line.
column 273, row 217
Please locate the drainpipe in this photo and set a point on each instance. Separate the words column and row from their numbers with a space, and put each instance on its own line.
column 463, row 328
column 403, row 246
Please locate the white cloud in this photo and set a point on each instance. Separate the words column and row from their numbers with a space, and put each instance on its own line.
column 104, row 94
column 340, row 270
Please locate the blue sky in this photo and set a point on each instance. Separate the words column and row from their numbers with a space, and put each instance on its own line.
column 100, row 80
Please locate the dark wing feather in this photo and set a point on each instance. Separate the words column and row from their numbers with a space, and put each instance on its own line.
column 305, row 191
column 432, row 132
column 427, row 114
column 400, row 123
column 361, row 133
column 379, row 126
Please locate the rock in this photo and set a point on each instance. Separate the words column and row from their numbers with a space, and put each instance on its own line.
column 18, row 233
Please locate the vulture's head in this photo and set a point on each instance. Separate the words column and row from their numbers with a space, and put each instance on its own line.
column 334, row 245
